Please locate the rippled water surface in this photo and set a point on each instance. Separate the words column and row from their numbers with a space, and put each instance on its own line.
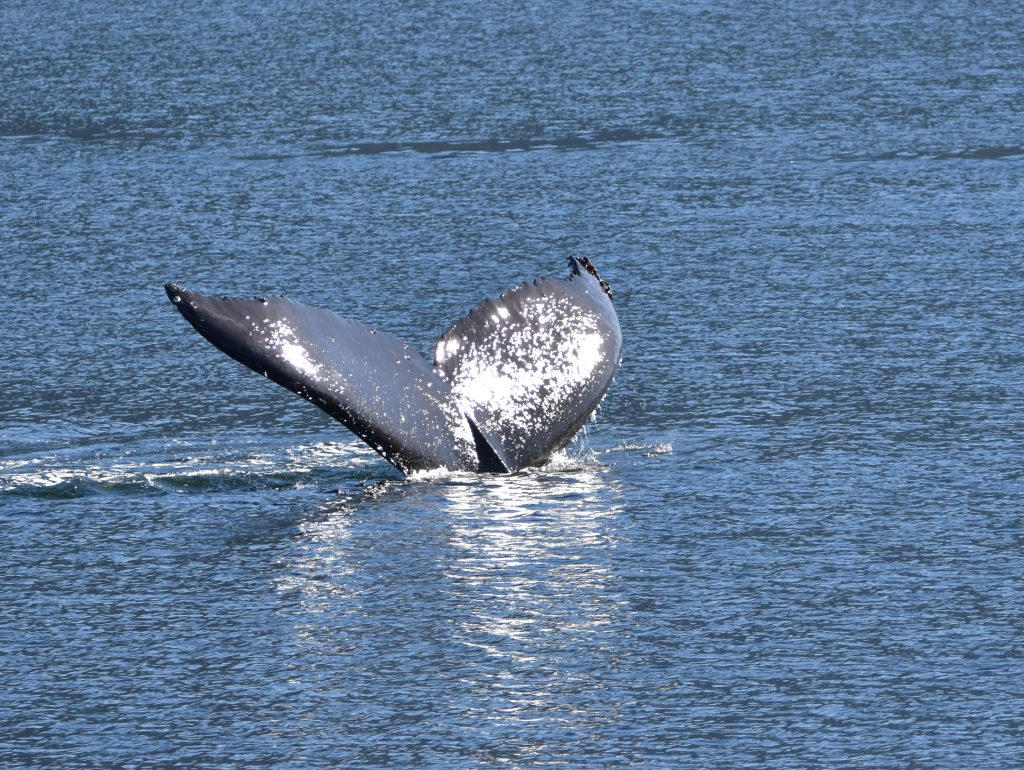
column 791, row 538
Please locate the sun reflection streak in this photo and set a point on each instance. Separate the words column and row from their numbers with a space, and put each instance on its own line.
column 536, row 591
column 324, row 574
column 494, row 599
column 538, row 605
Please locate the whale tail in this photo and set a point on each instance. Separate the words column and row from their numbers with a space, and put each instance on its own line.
column 510, row 383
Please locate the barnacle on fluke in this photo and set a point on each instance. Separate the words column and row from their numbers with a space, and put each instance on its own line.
column 511, row 382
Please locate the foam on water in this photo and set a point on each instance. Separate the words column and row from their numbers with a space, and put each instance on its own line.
column 83, row 472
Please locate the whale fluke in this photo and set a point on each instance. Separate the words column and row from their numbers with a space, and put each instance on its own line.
column 511, row 382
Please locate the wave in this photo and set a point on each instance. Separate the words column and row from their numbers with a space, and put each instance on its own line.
column 443, row 147
column 105, row 470
column 647, row 450
column 996, row 152
column 86, row 128
column 59, row 477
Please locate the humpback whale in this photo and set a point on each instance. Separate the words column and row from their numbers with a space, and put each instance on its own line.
column 510, row 383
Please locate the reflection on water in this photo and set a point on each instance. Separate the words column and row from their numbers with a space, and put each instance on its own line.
column 536, row 594
column 501, row 589
column 532, row 559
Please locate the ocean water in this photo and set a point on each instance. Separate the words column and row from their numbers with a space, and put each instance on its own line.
column 793, row 536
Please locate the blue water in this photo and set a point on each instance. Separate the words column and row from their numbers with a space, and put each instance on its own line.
column 792, row 537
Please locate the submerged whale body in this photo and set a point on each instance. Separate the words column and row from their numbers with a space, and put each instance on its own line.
column 510, row 383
